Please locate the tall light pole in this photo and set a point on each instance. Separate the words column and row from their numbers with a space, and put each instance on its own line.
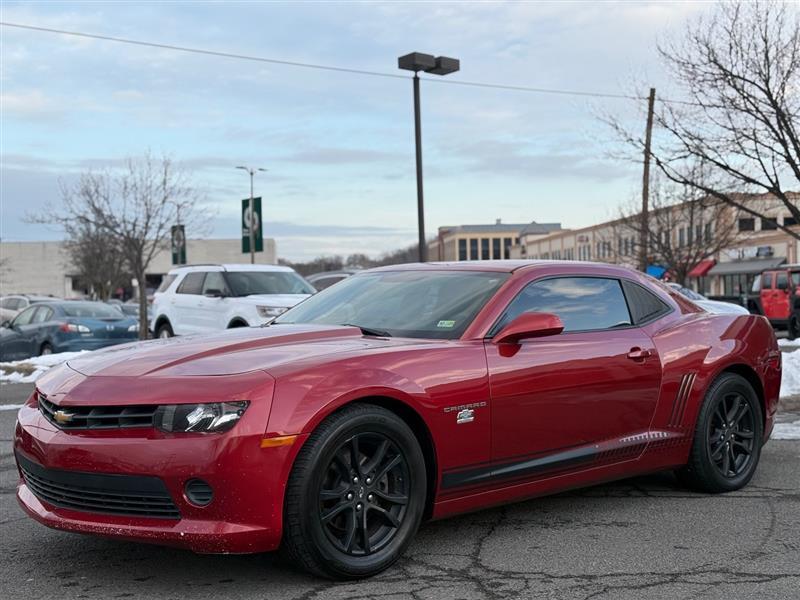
column 439, row 65
column 252, row 209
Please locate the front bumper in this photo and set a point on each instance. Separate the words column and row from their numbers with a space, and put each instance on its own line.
column 248, row 481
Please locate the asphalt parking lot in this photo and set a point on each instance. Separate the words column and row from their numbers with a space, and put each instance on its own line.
column 639, row 538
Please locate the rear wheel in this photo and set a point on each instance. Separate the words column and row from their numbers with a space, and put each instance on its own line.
column 164, row 331
column 45, row 349
column 356, row 494
column 728, row 437
column 794, row 327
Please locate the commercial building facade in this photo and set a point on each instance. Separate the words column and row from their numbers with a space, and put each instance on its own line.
column 483, row 242
column 45, row 268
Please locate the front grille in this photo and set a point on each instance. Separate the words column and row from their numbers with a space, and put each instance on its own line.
column 124, row 495
column 96, row 417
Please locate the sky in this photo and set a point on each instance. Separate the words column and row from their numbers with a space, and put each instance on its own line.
column 339, row 147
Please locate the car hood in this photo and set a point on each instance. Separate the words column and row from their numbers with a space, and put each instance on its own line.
column 277, row 300
column 227, row 353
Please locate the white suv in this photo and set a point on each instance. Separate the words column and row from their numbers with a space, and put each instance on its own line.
column 206, row 298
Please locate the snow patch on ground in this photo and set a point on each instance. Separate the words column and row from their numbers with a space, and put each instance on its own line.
column 30, row 369
column 790, row 383
column 784, row 343
column 786, row 431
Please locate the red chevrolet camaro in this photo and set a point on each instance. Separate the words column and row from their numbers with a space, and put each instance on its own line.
column 400, row 394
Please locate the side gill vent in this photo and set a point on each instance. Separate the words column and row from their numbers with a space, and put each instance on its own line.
column 679, row 405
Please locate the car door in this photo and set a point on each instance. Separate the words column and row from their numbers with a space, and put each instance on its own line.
column 769, row 295
column 552, row 398
column 186, row 314
column 213, row 302
column 18, row 339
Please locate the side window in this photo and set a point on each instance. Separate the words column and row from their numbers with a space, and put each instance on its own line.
column 326, row 282
column 782, row 280
column 192, row 283
column 165, row 283
column 15, row 304
column 43, row 313
column 644, row 305
column 7, row 303
column 215, row 280
column 766, row 281
column 582, row 303
column 24, row 318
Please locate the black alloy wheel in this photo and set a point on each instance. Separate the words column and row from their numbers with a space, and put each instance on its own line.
column 364, row 494
column 356, row 494
column 728, row 437
column 731, row 432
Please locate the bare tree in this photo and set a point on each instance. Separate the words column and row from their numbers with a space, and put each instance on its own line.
column 135, row 206
column 95, row 255
column 737, row 73
column 686, row 227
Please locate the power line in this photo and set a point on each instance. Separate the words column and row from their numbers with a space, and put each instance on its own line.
column 291, row 63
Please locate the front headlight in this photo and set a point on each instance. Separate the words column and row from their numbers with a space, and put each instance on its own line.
column 204, row 418
column 270, row 312
column 133, row 328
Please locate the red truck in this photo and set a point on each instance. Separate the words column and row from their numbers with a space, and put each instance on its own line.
column 780, row 298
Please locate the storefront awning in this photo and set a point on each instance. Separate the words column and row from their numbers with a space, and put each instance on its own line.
column 746, row 267
column 702, row 268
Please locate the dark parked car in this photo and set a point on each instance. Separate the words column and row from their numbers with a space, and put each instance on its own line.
column 48, row 327
column 326, row 279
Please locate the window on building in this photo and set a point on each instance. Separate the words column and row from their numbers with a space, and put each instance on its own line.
column 485, row 249
column 689, row 235
column 788, row 221
column 473, row 249
column 747, row 224
column 769, row 224
column 681, row 236
column 507, row 243
column 496, row 248
column 462, row 249
column 582, row 303
column 698, row 233
column 708, row 232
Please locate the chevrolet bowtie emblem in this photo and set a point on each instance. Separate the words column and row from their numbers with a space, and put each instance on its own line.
column 62, row 416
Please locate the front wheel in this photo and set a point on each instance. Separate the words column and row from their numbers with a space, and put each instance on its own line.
column 728, row 437
column 356, row 494
column 164, row 331
column 45, row 349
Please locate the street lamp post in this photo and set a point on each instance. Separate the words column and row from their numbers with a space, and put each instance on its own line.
column 252, row 209
column 440, row 65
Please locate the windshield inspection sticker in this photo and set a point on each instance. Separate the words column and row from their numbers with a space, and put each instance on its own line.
column 446, row 324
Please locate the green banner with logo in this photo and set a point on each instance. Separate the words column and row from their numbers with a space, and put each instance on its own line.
column 178, row 245
column 257, row 233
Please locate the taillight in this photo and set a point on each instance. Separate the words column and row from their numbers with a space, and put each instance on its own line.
column 73, row 328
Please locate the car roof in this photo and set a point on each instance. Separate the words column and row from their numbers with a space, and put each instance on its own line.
column 232, row 267
column 503, row 266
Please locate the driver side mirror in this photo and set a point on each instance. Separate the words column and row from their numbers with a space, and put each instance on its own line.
column 529, row 325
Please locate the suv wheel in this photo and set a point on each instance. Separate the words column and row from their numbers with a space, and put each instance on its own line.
column 164, row 330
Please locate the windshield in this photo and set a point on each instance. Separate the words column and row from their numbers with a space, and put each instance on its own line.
column 423, row 304
column 94, row 310
column 246, row 283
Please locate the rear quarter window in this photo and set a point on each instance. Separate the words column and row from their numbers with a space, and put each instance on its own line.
column 644, row 305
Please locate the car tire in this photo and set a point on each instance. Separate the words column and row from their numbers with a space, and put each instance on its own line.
column 164, row 331
column 793, row 331
column 45, row 349
column 725, row 451
column 364, row 462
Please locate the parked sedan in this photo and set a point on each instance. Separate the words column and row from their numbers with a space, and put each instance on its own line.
column 398, row 394
column 48, row 327
column 714, row 306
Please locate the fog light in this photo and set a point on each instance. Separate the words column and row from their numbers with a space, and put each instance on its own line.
column 198, row 492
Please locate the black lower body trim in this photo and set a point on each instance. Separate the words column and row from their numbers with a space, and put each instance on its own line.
column 521, row 468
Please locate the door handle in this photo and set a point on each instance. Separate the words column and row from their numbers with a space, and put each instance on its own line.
column 639, row 354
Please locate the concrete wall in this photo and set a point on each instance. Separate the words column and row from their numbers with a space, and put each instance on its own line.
column 44, row 268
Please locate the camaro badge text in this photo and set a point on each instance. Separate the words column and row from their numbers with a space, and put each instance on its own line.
column 465, row 412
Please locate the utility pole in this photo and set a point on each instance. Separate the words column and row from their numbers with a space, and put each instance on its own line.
column 645, row 216
column 423, row 247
